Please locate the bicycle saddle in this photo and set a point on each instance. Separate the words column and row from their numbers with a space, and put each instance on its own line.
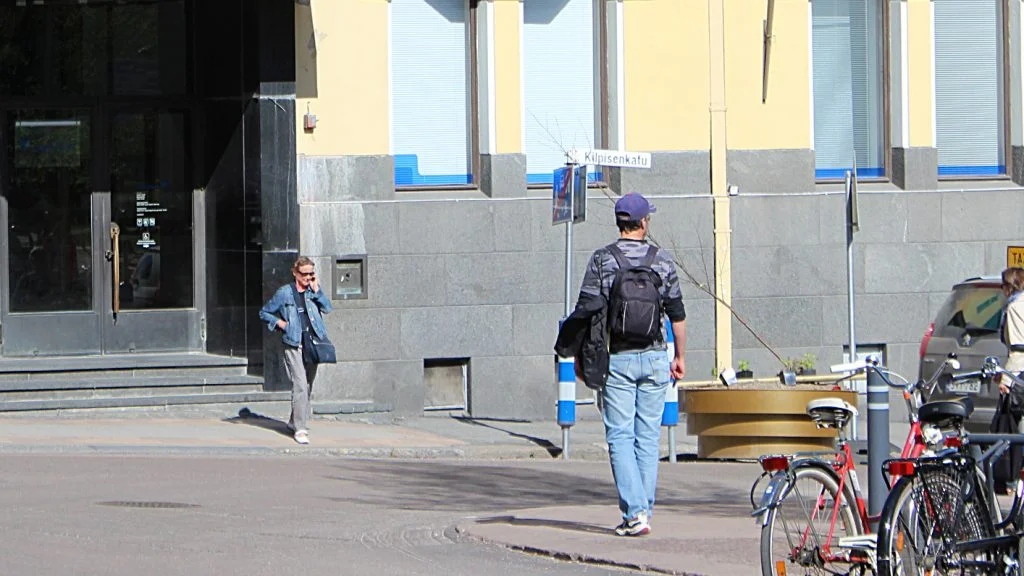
column 943, row 413
column 830, row 412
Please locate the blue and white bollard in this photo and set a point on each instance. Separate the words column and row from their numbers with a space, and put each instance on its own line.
column 566, row 400
column 670, row 417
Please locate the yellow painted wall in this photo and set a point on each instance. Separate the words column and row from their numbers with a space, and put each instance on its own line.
column 666, row 74
column 344, row 80
column 921, row 75
column 508, row 76
column 783, row 121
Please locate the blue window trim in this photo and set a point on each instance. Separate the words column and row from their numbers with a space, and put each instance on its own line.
column 998, row 170
column 407, row 173
column 840, row 173
column 545, row 178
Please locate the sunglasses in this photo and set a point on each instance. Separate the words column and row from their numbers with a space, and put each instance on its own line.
column 308, row 274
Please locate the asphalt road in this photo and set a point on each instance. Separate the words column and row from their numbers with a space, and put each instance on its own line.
column 66, row 514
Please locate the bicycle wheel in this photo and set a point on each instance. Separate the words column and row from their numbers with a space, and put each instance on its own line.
column 924, row 518
column 797, row 531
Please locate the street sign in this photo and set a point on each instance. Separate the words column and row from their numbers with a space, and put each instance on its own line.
column 1015, row 256
column 619, row 158
column 579, row 195
column 569, row 195
column 561, row 196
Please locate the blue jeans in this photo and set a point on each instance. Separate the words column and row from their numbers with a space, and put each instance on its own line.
column 633, row 402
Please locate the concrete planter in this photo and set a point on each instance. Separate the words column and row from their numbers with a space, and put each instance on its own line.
column 746, row 423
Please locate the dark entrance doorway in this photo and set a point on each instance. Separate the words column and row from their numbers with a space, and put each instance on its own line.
column 103, row 239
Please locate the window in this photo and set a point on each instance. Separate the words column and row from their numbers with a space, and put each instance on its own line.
column 431, row 92
column 969, row 102
column 559, row 83
column 849, row 120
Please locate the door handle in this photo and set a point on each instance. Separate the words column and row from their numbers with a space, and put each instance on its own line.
column 115, row 262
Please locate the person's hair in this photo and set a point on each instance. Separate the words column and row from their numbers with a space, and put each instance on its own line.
column 628, row 225
column 1014, row 278
column 300, row 262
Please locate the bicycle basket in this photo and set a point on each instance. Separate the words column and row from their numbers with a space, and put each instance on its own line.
column 946, row 499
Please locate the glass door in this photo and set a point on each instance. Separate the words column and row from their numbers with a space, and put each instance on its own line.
column 152, row 215
column 50, row 285
column 102, row 232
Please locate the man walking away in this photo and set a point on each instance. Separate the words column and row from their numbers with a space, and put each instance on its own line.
column 639, row 282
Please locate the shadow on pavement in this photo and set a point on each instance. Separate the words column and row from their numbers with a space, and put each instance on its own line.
column 481, row 488
column 554, row 451
column 548, row 523
column 246, row 416
column 468, row 487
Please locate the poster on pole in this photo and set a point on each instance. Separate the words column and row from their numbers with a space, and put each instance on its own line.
column 561, row 196
column 579, row 200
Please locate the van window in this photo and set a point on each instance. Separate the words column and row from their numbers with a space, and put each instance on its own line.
column 970, row 308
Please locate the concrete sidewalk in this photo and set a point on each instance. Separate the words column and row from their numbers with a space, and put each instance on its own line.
column 701, row 525
column 248, row 431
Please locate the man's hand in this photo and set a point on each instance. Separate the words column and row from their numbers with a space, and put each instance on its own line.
column 678, row 369
column 1004, row 388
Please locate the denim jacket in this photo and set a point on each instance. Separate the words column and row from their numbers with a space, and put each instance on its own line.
column 281, row 306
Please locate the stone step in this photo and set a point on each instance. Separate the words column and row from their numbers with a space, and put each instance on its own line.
column 181, row 378
column 154, row 400
column 127, row 380
column 135, row 390
column 118, row 362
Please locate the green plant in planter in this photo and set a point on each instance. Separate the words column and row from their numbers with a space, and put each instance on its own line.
column 806, row 364
column 743, row 369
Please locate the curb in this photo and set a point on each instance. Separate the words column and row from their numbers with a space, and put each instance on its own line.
column 582, row 558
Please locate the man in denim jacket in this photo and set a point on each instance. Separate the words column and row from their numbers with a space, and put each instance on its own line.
column 296, row 307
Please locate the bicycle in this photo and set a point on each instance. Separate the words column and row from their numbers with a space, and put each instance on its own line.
column 812, row 512
column 942, row 516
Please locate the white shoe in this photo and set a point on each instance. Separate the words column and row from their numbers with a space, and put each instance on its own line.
column 302, row 437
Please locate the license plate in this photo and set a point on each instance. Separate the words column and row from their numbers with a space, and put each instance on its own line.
column 969, row 386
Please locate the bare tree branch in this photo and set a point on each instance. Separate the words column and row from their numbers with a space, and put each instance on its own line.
column 706, row 287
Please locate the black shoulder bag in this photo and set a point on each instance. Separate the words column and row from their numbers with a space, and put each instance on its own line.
column 314, row 350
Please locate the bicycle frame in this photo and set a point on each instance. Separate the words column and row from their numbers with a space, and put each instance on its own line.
column 782, row 471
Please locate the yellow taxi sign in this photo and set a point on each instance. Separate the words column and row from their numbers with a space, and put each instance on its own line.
column 1015, row 256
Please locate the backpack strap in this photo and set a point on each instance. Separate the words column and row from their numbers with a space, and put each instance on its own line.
column 648, row 261
column 620, row 258
column 652, row 251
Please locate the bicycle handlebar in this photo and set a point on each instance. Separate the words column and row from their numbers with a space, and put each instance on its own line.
column 991, row 367
column 857, row 365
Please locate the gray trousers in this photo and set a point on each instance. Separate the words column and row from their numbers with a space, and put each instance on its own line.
column 301, row 376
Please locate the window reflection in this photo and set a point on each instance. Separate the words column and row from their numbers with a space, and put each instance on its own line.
column 152, row 204
column 50, row 252
column 92, row 49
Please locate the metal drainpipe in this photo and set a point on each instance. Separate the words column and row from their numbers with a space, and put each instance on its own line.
column 719, row 186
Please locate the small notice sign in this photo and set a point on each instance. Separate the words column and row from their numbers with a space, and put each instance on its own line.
column 619, row 158
column 1015, row 256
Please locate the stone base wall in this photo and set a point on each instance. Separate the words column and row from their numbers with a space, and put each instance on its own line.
column 479, row 275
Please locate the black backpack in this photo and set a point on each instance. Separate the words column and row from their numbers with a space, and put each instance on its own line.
column 634, row 307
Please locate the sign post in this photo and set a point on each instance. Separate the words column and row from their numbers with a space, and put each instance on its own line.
column 562, row 212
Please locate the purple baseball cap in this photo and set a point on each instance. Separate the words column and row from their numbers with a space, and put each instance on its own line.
column 633, row 207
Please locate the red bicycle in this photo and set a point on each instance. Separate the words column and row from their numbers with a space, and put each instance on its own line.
column 812, row 511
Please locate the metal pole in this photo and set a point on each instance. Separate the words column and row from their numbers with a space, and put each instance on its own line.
column 878, row 440
column 849, row 284
column 567, row 382
column 670, row 415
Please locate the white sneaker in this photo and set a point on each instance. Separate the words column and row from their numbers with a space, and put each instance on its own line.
column 302, row 437
column 639, row 526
